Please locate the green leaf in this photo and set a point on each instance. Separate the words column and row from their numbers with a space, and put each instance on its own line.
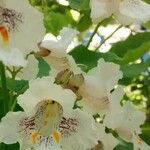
column 54, row 22
column 132, row 48
column 126, row 146
column 9, row 147
column 19, row 84
column 146, row 133
column 79, row 4
column 85, row 22
column 89, row 58
column 132, row 71
column 148, row 1
column 44, row 68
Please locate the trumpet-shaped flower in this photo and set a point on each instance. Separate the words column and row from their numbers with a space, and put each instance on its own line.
column 54, row 50
column 23, row 23
column 97, row 86
column 125, row 121
column 108, row 141
column 125, row 11
column 57, row 46
column 16, row 25
column 49, row 121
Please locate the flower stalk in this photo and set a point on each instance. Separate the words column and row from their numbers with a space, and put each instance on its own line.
column 5, row 92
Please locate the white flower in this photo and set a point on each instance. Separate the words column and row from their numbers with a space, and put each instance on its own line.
column 97, row 86
column 13, row 57
column 43, row 89
column 107, row 140
column 23, row 23
column 54, row 50
column 81, row 134
column 58, row 45
column 22, row 130
column 51, row 121
column 139, row 144
column 7, row 135
column 31, row 70
column 126, row 121
column 125, row 11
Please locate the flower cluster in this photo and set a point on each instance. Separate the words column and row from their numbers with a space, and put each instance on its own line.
column 70, row 109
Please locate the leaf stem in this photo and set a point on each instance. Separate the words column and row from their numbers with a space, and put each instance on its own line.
column 109, row 36
column 94, row 32
column 4, row 88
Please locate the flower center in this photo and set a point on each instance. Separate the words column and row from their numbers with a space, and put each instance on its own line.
column 48, row 117
column 44, row 124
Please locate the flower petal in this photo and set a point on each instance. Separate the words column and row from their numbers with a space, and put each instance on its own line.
column 31, row 70
column 58, row 47
column 108, row 72
column 27, row 31
column 9, row 127
column 45, row 89
column 84, row 133
column 99, row 10
column 134, row 11
column 13, row 57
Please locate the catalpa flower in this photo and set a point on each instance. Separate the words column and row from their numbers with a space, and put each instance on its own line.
column 98, row 84
column 108, row 141
column 49, row 122
column 125, row 11
column 126, row 121
column 17, row 24
column 54, row 50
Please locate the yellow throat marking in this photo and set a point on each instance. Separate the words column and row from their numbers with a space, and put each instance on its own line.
column 5, row 35
column 56, row 136
column 35, row 136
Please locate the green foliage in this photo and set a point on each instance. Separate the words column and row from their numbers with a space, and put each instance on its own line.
column 146, row 133
column 89, row 58
column 55, row 21
column 124, row 147
column 132, row 48
column 79, row 4
column 44, row 68
column 84, row 22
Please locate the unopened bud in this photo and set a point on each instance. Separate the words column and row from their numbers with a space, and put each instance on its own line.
column 76, row 80
column 63, row 77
